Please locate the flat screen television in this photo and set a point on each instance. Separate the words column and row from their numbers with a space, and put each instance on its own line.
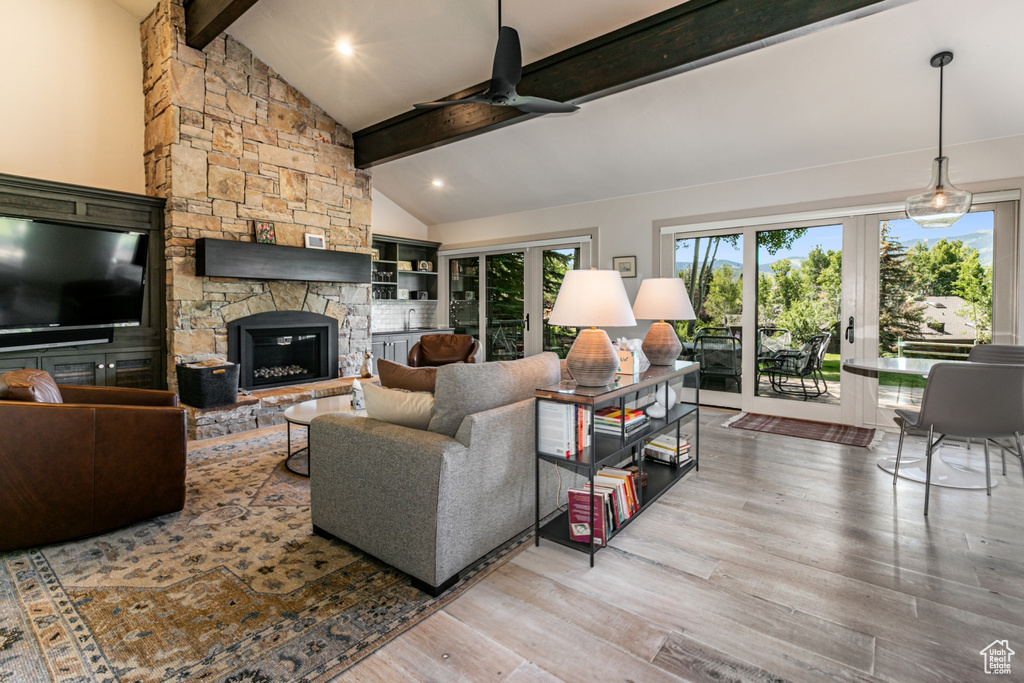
column 56, row 276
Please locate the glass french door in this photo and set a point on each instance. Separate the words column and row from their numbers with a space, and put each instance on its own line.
column 464, row 296
column 771, row 301
column 507, row 321
column 513, row 293
column 790, row 301
column 940, row 293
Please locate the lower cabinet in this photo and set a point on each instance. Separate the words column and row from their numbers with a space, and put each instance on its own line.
column 395, row 346
column 126, row 369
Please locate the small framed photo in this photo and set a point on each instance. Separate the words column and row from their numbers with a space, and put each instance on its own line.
column 626, row 265
column 315, row 241
column 265, row 232
column 375, row 254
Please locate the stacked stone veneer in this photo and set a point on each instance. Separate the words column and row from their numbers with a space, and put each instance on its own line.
column 229, row 142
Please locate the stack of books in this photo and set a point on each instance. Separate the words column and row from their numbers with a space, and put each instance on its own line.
column 665, row 449
column 616, row 499
column 610, row 420
column 563, row 429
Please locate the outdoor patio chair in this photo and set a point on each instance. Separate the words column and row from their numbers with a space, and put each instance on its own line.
column 770, row 341
column 803, row 364
column 719, row 357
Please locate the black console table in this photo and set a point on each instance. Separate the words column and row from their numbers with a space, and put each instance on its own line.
column 629, row 391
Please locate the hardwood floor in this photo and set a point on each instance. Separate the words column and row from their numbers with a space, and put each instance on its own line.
column 782, row 559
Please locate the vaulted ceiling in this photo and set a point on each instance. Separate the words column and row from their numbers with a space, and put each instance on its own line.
column 852, row 91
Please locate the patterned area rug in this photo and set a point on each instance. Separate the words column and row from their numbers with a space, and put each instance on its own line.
column 805, row 429
column 235, row 588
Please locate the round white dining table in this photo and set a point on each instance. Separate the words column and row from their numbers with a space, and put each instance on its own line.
column 966, row 471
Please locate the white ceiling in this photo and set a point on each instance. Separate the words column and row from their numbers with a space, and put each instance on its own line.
column 139, row 9
column 855, row 91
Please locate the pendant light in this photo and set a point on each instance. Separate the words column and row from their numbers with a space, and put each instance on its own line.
column 941, row 205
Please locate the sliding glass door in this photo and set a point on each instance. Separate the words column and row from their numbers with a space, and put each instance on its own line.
column 940, row 293
column 779, row 306
column 512, row 292
column 505, row 306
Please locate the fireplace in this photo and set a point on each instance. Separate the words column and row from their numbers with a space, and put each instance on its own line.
column 280, row 348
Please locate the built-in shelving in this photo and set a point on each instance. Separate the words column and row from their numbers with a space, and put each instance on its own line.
column 389, row 278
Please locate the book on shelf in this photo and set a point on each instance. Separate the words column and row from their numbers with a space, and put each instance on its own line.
column 563, row 429
column 666, row 449
column 582, row 518
column 629, row 482
column 616, row 417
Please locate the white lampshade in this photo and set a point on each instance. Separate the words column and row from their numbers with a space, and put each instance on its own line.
column 592, row 298
column 663, row 298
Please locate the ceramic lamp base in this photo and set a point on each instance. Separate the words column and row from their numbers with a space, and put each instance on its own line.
column 592, row 360
column 661, row 345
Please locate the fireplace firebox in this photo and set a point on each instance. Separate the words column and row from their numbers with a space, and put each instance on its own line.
column 279, row 348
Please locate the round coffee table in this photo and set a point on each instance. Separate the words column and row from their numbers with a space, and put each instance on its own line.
column 302, row 414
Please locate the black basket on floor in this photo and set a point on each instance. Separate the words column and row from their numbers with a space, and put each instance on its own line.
column 208, row 387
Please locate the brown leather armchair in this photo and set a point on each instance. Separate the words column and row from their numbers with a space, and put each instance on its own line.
column 76, row 461
column 442, row 349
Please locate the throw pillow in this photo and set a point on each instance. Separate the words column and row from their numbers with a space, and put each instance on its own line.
column 398, row 376
column 406, row 408
column 33, row 386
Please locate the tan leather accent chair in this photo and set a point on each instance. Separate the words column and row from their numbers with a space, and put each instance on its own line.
column 443, row 349
column 78, row 460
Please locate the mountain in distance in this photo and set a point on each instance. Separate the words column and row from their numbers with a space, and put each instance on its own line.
column 981, row 240
column 738, row 267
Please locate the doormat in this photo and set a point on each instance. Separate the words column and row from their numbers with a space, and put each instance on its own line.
column 805, row 429
column 235, row 587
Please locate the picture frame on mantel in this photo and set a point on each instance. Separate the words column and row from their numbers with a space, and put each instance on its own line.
column 626, row 265
column 315, row 241
column 265, row 232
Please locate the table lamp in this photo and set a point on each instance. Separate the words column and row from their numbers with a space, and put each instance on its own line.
column 588, row 298
column 661, row 299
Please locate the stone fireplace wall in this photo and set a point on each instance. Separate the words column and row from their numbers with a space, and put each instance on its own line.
column 229, row 142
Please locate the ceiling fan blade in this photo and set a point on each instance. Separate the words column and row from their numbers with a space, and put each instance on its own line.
column 448, row 103
column 539, row 105
column 508, row 60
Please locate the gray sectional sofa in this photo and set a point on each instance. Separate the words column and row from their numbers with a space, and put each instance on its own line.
column 433, row 502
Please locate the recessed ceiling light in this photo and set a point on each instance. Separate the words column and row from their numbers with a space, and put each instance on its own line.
column 437, row 182
column 344, row 48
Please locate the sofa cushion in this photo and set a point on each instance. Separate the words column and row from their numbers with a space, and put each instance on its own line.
column 398, row 376
column 32, row 386
column 472, row 388
column 397, row 406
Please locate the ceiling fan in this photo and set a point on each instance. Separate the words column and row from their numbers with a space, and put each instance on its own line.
column 505, row 74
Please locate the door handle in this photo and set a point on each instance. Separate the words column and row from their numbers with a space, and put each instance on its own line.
column 527, row 321
column 849, row 331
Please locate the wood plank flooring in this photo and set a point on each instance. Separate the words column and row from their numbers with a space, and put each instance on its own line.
column 782, row 559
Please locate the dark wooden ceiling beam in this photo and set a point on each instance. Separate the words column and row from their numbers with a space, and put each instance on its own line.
column 206, row 19
column 682, row 38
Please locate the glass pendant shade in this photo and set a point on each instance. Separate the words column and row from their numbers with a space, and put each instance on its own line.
column 941, row 205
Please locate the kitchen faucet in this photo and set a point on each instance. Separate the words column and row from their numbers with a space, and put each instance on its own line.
column 408, row 318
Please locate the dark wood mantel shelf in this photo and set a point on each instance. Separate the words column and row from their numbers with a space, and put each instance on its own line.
column 253, row 261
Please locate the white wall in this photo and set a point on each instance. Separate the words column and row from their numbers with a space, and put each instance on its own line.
column 627, row 224
column 71, row 73
column 390, row 219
